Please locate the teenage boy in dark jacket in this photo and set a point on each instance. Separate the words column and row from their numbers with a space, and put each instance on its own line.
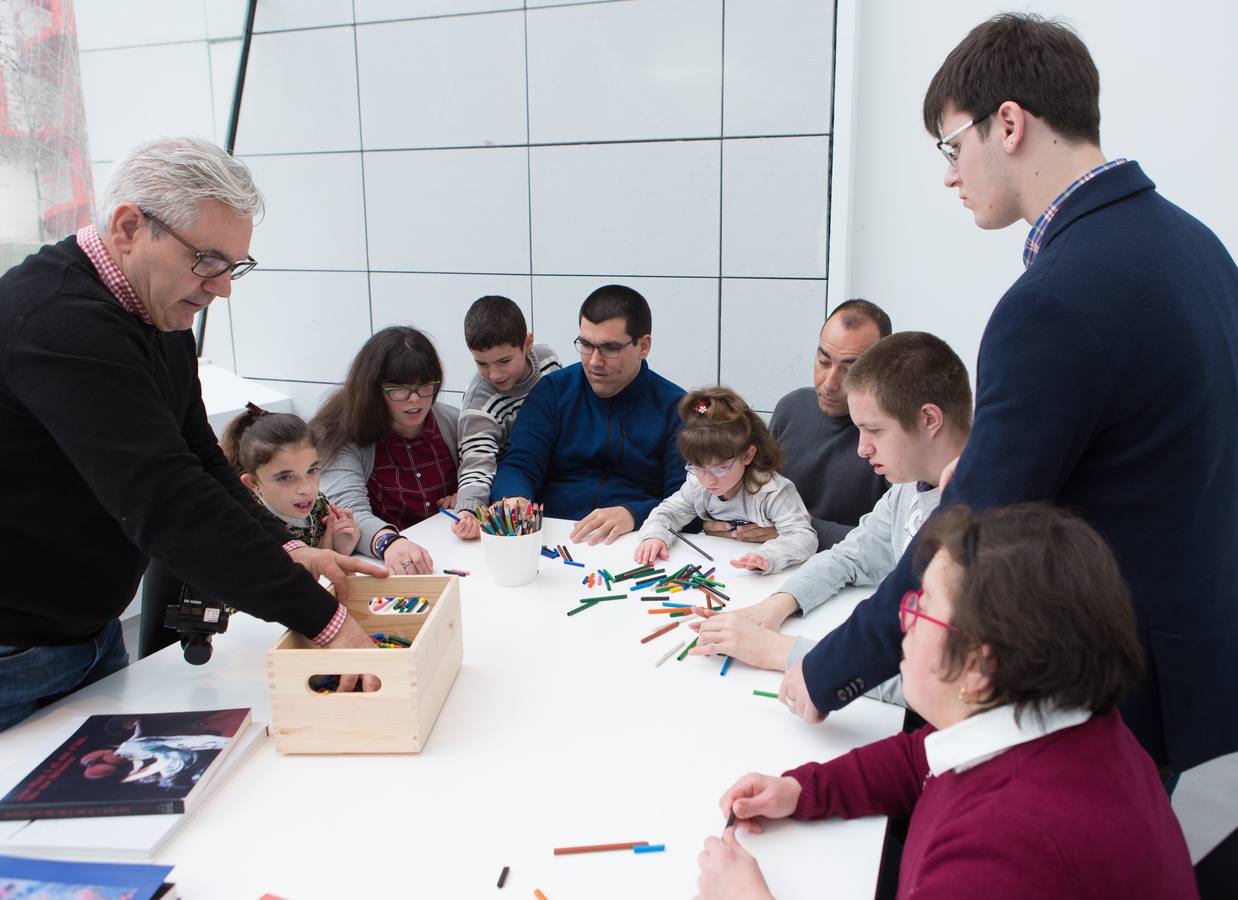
column 1107, row 383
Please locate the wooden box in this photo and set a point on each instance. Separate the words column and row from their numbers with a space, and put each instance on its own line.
column 398, row 717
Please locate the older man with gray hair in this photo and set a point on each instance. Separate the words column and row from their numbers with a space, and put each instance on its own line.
column 107, row 459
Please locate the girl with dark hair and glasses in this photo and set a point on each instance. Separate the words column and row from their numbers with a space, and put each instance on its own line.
column 389, row 448
column 1026, row 782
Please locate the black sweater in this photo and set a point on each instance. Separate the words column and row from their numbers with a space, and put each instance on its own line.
column 107, row 460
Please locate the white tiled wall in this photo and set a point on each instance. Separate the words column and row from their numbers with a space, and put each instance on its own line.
column 448, row 210
column 623, row 209
column 417, row 154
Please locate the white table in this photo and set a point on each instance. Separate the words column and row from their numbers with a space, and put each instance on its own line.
column 558, row 731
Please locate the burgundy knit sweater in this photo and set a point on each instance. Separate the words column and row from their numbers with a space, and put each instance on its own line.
column 1077, row 813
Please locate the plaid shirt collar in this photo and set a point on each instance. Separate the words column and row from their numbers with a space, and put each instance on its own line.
column 113, row 279
column 1032, row 246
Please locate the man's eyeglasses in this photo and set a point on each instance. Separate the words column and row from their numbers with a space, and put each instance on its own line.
column 401, row 393
column 208, row 265
column 609, row 350
column 909, row 611
column 950, row 152
column 711, row 471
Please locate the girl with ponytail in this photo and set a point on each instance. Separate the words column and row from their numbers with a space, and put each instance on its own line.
column 732, row 463
column 275, row 455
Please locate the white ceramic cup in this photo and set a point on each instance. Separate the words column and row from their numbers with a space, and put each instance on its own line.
column 512, row 561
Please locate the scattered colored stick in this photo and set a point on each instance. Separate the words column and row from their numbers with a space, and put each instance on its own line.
column 538, row 894
column 668, row 654
column 764, row 694
column 449, row 514
column 503, row 876
column 694, row 546
column 588, row 604
column 599, row 848
column 649, row 848
column 686, row 649
column 661, row 631
column 572, row 562
column 460, row 572
column 726, row 665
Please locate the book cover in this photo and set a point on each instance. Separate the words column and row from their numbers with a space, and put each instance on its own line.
column 33, row 879
column 126, row 765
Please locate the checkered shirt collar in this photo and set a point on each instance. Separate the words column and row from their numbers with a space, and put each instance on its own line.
column 113, row 279
column 1031, row 246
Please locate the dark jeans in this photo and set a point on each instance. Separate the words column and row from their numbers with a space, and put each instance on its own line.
column 33, row 677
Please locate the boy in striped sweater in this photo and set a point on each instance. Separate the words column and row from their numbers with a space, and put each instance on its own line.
column 509, row 364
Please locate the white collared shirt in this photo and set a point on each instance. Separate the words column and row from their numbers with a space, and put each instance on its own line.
column 988, row 734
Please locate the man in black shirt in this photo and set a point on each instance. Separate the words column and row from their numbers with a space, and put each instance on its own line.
column 108, row 460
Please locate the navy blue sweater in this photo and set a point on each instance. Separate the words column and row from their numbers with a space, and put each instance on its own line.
column 1108, row 383
column 576, row 452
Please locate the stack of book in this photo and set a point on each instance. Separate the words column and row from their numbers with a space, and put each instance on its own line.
column 121, row 786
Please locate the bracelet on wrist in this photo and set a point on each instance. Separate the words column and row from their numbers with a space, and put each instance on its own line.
column 383, row 541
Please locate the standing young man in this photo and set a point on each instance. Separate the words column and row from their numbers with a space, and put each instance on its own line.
column 1107, row 383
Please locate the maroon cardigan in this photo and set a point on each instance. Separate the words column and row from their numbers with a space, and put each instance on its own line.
column 1077, row 813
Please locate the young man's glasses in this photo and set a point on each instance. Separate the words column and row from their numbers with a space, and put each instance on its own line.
column 909, row 610
column 711, row 471
column 950, row 152
column 609, row 350
column 401, row 393
column 206, row 264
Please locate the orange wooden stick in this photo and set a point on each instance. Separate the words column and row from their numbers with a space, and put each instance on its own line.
column 661, row 631
column 598, row 848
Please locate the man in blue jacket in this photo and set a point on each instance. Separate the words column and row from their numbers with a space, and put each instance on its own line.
column 596, row 441
column 1107, row 383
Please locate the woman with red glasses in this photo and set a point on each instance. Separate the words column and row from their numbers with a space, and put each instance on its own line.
column 1026, row 782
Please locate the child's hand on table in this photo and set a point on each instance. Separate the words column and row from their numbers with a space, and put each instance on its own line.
column 468, row 528
column 754, row 561
column 650, row 551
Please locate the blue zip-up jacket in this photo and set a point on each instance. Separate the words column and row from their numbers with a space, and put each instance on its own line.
column 1108, row 383
column 576, row 452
